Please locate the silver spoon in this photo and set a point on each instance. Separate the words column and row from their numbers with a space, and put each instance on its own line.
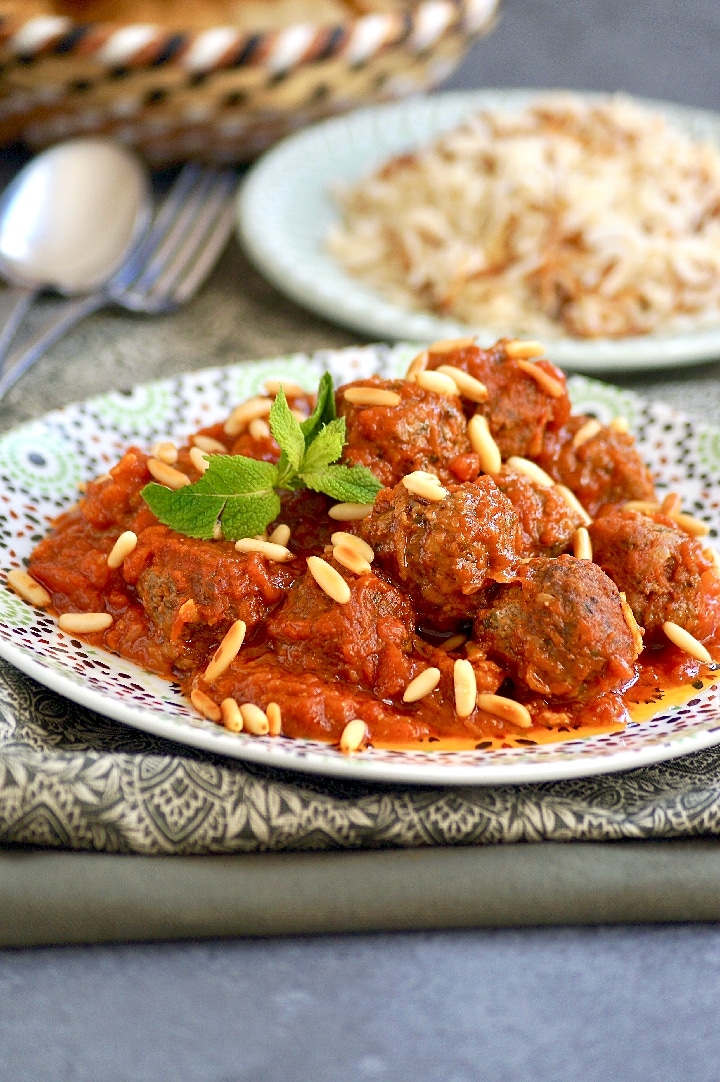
column 68, row 221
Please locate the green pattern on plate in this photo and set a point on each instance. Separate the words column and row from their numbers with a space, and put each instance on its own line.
column 146, row 407
column 39, row 461
column 708, row 445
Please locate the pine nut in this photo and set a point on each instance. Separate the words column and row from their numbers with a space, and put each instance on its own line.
column 232, row 719
column 351, row 559
column 354, row 737
column 166, row 452
column 686, row 642
column 586, row 432
column 505, row 709
column 544, row 380
column 255, row 720
column 671, row 504
column 277, row 554
column 280, row 535
column 124, row 545
column 84, row 623
column 574, row 503
column 620, row 424
column 643, row 507
column 449, row 345
column 292, row 390
column 299, row 415
column 417, row 364
column 437, row 383
column 371, row 396
column 519, row 348
column 423, row 684
column 470, row 388
column 465, row 688
column 243, row 414
column 350, row 512
column 198, row 459
column 28, row 589
column 531, row 470
column 205, row 705
column 695, row 527
column 353, row 541
column 329, row 580
column 484, row 445
column 582, row 546
column 167, row 475
column 424, row 485
column 634, row 628
column 227, row 651
column 259, row 429
column 210, row 445
column 453, row 643
column 274, row 716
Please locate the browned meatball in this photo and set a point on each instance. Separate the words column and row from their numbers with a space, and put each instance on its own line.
column 547, row 521
column 605, row 469
column 443, row 553
column 664, row 574
column 519, row 409
column 365, row 642
column 426, row 431
column 559, row 629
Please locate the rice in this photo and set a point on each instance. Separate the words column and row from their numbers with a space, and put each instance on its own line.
column 566, row 217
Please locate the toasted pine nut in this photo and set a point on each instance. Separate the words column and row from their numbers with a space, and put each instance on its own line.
column 205, row 705
column 453, row 643
column 243, row 414
column 350, row 512
column 167, row 475
column 354, row 737
column 299, row 415
column 277, row 554
column 218, row 534
column 671, row 504
column 544, row 380
column 714, row 555
column 449, row 345
column 329, row 580
column 686, row 642
column 351, row 559
column 227, row 651
column 124, row 545
column 255, row 720
column 354, row 542
column 484, row 445
column 28, row 589
column 417, row 364
column 198, row 457
column 695, row 527
column 465, row 688
column 634, row 628
column 582, row 546
column 274, row 716
column 643, row 507
column 424, row 485
column 504, row 708
column 521, row 348
column 371, row 396
column 210, row 445
column 189, row 612
column 280, row 535
column 574, row 503
column 620, row 424
column 437, row 383
column 166, row 452
column 586, row 432
column 84, row 623
column 232, row 718
column 470, row 388
column 531, row 470
column 292, row 390
column 259, row 429
column 423, row 684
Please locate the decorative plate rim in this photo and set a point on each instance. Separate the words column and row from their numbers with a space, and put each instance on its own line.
column 284, row 209
column 89, row 677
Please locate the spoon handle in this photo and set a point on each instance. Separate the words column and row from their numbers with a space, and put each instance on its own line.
column 21, row 297
column 72, row 313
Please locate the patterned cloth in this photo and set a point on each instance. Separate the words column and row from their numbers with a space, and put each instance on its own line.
column 72, row 779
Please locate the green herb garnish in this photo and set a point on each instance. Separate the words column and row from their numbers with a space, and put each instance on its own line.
column 242, row 493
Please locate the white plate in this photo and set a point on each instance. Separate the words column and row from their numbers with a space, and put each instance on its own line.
column 42, row 462
column 285, row 211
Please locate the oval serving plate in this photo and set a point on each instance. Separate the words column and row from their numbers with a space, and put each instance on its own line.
column 285, row 210
column 42, row 462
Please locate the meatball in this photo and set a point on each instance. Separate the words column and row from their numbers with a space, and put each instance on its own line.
column 547, row 521
column 366, row 641
column 605, row 469
column 426, row 431
column 664, row 574
column 193, row 590
column 559, row 630
column 443, row 553
column 519, row 409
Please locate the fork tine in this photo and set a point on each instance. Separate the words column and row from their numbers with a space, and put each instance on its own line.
column 214, row 242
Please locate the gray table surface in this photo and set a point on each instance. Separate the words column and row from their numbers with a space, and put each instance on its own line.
column 547, row 1004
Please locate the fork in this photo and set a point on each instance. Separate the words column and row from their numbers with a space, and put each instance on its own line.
column 183, row 245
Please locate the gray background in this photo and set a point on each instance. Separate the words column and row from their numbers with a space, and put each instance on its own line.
column 553, row 1004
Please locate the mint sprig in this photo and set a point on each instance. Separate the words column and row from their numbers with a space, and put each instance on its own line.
column 242, row 493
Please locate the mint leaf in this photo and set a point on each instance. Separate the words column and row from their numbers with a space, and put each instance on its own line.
column 351, row 484
column 248, row 515
column 324, row 411
column 191, row 513
column 325, row 448
column 286, row 429
column 234, row 475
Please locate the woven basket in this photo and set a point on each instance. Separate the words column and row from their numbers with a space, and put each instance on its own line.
column 219, row 94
